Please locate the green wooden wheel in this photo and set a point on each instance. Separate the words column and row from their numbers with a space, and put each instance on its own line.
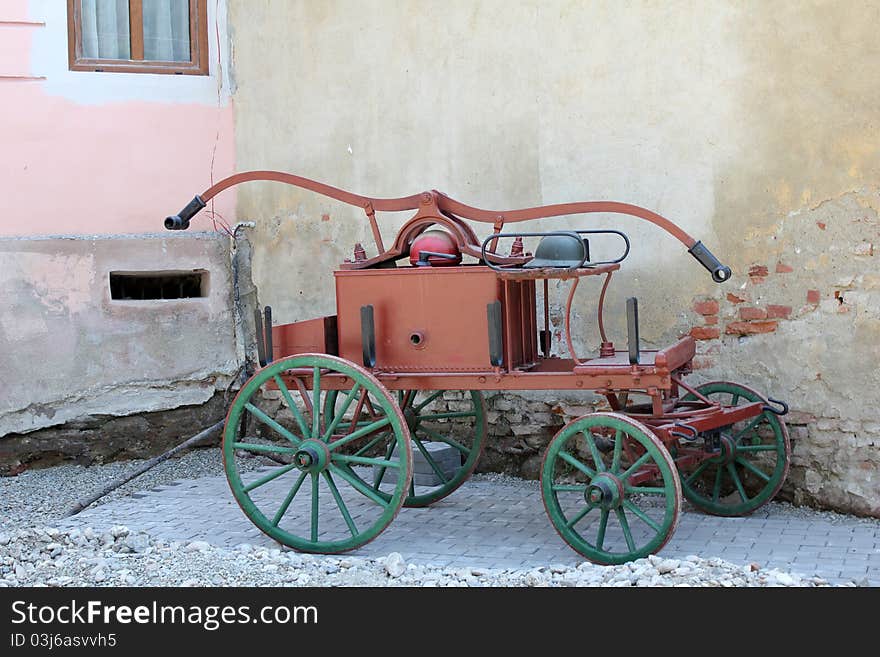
column 752, row 464
column 610, row 488
column 312, row 493
column 436, row 424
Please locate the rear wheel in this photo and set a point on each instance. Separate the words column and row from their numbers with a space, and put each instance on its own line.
column 315, row 490
column 448, row 434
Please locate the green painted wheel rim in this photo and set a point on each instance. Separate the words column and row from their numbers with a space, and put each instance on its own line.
column 737, row 488
column 570, row 476
column 312, row 435
column 428, row 427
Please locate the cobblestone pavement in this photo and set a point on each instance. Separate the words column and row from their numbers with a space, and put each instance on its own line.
column 502, row 524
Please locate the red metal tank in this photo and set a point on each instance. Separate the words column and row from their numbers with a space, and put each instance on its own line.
column 435, row 241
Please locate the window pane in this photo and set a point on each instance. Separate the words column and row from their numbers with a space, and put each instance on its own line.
column 105, row 29
column 166, row 30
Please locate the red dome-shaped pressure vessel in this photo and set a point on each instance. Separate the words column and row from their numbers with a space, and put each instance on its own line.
column 435, row 241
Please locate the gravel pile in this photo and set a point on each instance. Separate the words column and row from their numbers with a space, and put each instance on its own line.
column 118, row 557
column 33, row 553
column 39, row 497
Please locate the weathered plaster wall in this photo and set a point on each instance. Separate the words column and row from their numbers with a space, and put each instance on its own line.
column 97, row 153
column 755, row 126
column 68, row 352
column 91, row 163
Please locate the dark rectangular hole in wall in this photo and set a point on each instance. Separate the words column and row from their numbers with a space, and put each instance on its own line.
column 138, row 286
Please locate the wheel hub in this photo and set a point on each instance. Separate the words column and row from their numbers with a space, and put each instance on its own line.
column 312, row 456
column 411, row 417
column 727, row 453
column 605, row 491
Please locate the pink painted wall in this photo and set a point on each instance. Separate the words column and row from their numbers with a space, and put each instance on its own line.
column 101, row 153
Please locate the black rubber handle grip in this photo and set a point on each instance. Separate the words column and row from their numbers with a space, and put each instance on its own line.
column 704, row 256
column 180, row 221
column 424, row 255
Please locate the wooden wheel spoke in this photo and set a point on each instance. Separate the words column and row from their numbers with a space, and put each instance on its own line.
column 692, row 477
column 379, row 473
column 277, row 472
column 570, row 488
column 427, row 400
column 751, row 425
column 294, row 409
column 624, row 525
column 269, row 449
column 287, row 500
column 603, row 525
column 716, row 489
column 340, row 503
column 641, row 515
column 445, row 439
column 568, row 458
column 316, row 403
column 370, row 445
column 644, row 490
column 357, row 410
column 371, row 412
column 594, row 452
column 580, row 516
column 337, row 417
column 639, row 462
column 430, row 459
column 756, row 448
column 269, row 422
column 445, row 416
column 618, row 447
column 365, row 460
column 731, row 470
column 752, row 468
column 358, row 484
column 363, row 431
column 304, row 395
column 315, row 482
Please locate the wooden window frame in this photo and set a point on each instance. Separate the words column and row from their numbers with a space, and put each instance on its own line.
column 198, row 38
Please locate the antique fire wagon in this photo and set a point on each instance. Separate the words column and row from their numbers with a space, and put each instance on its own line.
column 352, row 416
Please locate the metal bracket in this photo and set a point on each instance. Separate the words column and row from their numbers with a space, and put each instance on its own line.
column 632, row 329
column 496, row 348
column 264, row 335
column 784, row 406
column 692, row 435
column 368, row 336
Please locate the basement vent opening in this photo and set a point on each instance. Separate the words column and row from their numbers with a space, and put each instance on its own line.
column 139, row 286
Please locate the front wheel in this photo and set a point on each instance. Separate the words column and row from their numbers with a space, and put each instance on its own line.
column 610, row 488
column 751, row 464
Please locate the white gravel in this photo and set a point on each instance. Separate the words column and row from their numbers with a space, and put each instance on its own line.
column 33, row 553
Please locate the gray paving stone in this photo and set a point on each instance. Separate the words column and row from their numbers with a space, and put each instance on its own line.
column 494, row 525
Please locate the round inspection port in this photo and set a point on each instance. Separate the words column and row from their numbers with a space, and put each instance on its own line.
column 417, row 340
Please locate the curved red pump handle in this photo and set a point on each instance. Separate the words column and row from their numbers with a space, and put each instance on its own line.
column 720, row 273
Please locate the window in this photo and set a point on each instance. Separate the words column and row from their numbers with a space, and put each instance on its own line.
column 138, row 36
column 139, row 286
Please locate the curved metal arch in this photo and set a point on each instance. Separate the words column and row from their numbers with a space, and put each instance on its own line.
column 450, row 205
